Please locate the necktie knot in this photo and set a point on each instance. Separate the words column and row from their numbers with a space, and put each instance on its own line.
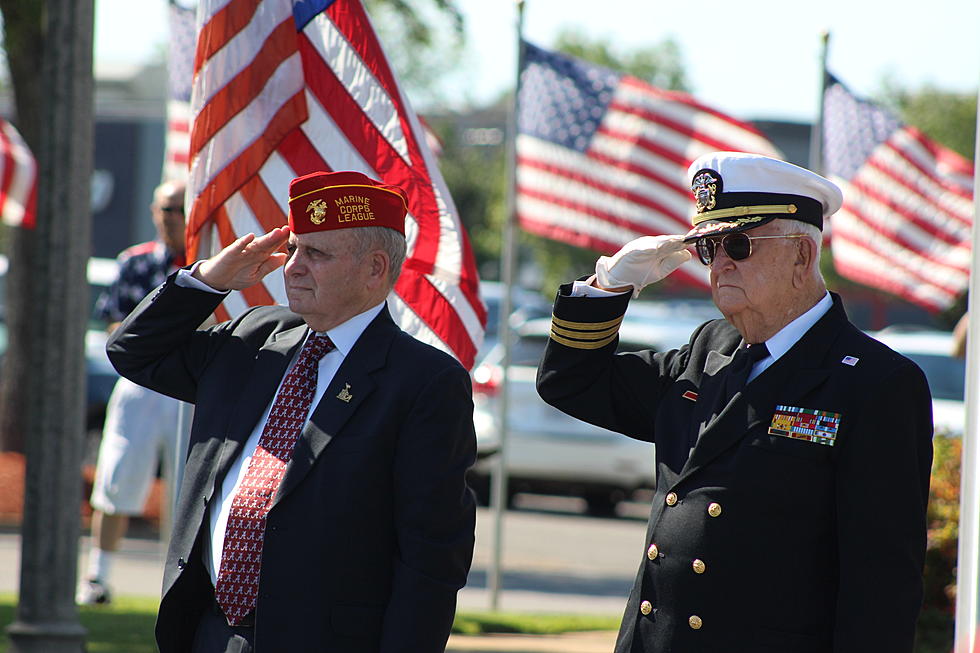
column 317, row 346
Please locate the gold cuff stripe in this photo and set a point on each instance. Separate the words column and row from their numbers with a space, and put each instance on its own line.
column 317, row 190
column 586, row 326
column 585, row 335
column 578, row 344
column 740, row 211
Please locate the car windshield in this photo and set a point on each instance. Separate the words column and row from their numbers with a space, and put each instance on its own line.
column 946, row 375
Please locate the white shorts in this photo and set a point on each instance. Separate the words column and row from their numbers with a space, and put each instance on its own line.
column 140, row 432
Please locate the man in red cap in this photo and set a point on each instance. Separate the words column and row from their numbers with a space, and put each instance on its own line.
column 323, row 504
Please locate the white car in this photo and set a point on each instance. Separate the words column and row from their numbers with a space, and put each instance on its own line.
column 552, row 453
column 932, row 351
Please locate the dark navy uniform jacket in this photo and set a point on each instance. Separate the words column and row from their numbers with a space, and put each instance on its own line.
column 794, row 519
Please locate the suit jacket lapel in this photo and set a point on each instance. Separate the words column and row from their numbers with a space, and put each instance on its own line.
column 790, row 377
column 270, row 367
column 350, row 386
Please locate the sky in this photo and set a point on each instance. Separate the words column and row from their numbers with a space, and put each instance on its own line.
column 754, row 59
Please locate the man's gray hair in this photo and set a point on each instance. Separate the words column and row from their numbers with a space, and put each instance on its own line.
column 365, row 239
column 785, row 227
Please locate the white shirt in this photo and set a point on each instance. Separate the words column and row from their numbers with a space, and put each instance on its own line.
column 343, row 337
column 789, row 335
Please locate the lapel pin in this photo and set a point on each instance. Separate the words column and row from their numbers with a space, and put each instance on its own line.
column 345, row 395
column 690, row 395
column 850, row 360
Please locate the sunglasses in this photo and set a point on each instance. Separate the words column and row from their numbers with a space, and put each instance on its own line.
column 171, row 209
column 737, row 246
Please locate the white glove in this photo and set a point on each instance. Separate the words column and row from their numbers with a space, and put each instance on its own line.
column 641, row 262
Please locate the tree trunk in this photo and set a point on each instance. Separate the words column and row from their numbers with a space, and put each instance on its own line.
column 24, row 44
column 47, row 618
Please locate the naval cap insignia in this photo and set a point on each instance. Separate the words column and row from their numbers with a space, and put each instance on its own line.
column 318, row 211
column 705, row 186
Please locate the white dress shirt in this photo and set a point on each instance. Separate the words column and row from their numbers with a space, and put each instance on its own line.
column 343, row 337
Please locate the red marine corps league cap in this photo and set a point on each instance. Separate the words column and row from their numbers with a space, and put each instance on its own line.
column 321, row 201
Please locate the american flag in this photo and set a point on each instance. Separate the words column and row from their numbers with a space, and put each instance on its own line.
column 18, row 179
column 180, row 73
column 908, row 203
column 602, row 157
column 283, row 88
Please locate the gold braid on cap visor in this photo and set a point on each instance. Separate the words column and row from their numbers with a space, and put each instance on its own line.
column 741, row 211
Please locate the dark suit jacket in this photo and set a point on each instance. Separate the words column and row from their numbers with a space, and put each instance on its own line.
column 371, row 533
column 811, row 548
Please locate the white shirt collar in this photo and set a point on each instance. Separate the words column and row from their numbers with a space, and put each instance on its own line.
column 345, row 335
column 790, row 334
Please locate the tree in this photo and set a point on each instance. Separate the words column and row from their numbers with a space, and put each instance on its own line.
column 947, row 117
column 422, row 40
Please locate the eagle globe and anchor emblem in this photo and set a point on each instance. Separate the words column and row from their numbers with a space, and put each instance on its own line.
column 318, row 211
column 705, row 187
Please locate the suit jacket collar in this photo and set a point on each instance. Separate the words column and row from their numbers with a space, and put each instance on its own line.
column 352, row 384
column 798, row 371
column 271, row 363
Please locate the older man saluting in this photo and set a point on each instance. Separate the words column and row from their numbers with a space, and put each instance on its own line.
column 793, row 451
column 323, row 505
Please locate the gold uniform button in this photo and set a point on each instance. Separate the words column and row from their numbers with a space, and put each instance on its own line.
column 714, row 509
column 646, row 608
column 671, row 498
column 694, row 621
column 653, row 552
column 698, row 566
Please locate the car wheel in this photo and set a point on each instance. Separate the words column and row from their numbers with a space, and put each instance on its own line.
column 602, row 504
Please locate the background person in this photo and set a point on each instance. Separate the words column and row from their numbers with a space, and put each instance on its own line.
column 323, row 504
column 793, row 451
column 140, row 428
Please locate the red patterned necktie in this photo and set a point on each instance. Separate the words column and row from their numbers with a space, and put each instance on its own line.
column 241, row 556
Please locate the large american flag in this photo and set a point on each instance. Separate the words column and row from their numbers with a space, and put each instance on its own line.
column 18, row 179
column 283, row 88
column 602, row 157
column 908, row 203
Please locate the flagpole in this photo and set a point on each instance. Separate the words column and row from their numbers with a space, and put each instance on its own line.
column 816, row 132
column 968, row 554
column 508, row 256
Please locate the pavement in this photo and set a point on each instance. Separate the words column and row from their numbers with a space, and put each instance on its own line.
column 137, row 571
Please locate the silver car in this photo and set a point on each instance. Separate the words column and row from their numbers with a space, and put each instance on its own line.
column 551, row 453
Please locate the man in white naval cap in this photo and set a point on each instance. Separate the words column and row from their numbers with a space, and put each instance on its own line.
column 793, row 451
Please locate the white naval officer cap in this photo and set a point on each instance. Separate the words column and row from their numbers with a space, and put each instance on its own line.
column 737, row 191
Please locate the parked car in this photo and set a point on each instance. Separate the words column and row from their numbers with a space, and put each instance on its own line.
column 100, row 375
column 526, row 304
column 932, row 351
column 550, row 452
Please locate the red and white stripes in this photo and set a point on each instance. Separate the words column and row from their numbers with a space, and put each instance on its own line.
column 271, row 103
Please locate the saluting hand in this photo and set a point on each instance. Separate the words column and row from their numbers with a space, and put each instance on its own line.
column 244, row 262
column 641, row 262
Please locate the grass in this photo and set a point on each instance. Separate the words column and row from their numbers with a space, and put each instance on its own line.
column 126, row 626
column 476, row 623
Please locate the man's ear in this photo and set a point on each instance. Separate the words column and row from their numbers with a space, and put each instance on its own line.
column 806, row 258
column 380, row 265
